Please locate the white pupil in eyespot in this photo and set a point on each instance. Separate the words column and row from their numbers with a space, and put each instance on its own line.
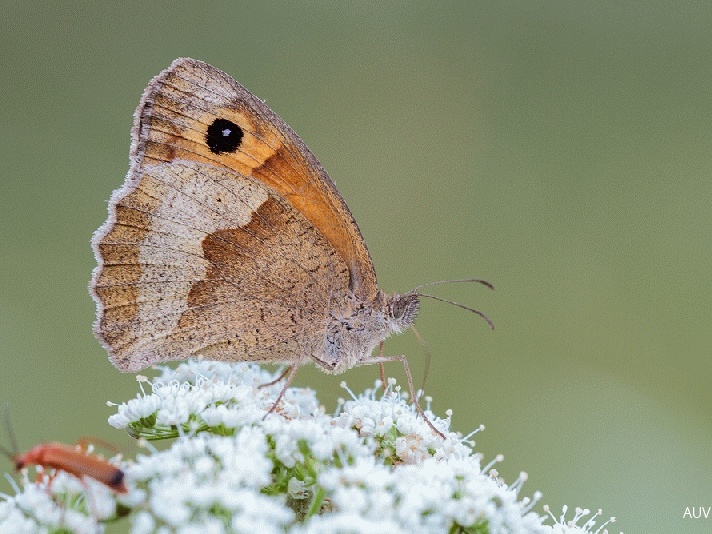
column 226, row 132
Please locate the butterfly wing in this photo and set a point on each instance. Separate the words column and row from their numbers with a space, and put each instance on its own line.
column 227, row 239
column 176, row 115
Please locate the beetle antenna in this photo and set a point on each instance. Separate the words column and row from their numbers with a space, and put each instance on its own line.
column 10, row 434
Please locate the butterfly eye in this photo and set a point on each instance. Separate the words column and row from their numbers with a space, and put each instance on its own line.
column 223, row 136
column 399, row 307
column 403, row 309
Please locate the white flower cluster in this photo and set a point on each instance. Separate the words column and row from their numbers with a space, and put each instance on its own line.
column 374, row 466
column 61, row 503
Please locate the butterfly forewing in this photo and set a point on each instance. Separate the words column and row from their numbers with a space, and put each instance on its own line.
column 182, row 104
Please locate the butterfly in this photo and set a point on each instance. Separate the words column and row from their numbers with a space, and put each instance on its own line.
column 229, row 241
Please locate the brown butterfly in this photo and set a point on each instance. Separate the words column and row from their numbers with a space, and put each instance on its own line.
column 228, row 241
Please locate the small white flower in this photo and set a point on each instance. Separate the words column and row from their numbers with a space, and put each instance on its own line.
column 296, row 489
column 374, row 466
column 571, row 526
column 60, row 503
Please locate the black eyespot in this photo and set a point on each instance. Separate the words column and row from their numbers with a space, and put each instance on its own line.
column 223, row 136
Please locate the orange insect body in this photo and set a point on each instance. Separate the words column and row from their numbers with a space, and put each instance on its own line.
column 74, row 461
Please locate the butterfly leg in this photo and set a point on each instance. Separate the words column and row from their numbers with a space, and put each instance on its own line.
column 278, row 379
column 290, row 373
column 402, row 359
column 381, row 368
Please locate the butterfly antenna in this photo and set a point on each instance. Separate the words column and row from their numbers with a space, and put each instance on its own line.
column 426, row 349
column 464, row 280
column 473, row 310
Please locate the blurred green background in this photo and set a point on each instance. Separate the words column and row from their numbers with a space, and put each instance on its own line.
column 561, row 150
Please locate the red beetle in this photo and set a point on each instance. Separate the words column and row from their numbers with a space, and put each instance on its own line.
column 73, row 460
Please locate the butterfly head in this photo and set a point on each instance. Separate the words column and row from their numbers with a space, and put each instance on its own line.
column 402, row 310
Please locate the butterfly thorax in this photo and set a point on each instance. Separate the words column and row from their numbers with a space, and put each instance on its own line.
column 353, row 334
